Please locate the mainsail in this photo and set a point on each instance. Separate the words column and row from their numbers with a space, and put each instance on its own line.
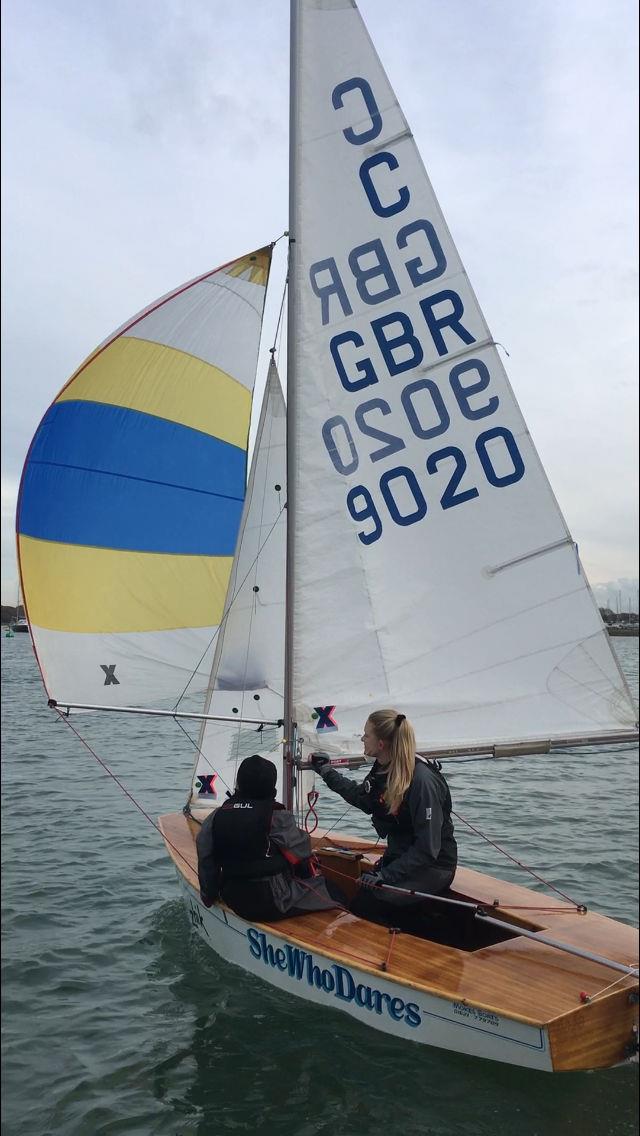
column 432, row 567
column 248, row 668
column 132, row 494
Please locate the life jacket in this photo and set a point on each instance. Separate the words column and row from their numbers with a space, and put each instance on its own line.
column 240, row 839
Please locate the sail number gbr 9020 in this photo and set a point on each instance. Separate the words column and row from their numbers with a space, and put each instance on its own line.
column 390, row 189
column 427, row 416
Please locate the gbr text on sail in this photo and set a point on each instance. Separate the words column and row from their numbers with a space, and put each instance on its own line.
column 429, row 331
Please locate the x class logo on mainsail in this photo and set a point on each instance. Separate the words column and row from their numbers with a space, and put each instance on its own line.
column 206, row 784
column 325, row 718
column 110, row 672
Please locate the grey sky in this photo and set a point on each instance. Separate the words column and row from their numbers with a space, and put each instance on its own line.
column 146, row 142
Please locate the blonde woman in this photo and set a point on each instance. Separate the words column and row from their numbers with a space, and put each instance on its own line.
column 409, row 803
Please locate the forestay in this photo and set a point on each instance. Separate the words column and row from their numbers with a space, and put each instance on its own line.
column 132, row 494
column 433, row 569
column 248, row 669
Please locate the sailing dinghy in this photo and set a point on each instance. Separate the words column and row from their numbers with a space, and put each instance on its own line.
column 397, row 544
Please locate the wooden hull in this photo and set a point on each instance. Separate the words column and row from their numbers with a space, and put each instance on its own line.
column 517, row 1001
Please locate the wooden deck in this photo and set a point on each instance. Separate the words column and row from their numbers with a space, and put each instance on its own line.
column 518, row 978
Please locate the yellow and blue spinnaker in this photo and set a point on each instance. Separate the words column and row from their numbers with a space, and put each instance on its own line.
column 132, row 494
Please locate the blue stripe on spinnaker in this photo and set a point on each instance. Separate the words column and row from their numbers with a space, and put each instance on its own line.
column 116, row 478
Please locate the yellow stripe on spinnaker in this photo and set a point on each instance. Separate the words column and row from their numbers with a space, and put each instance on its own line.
column 70, row 587
column 170, row 384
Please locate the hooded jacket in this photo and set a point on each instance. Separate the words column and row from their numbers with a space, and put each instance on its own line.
column 421, row 851
column 253, row 856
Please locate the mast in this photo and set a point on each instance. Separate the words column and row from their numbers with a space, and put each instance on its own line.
column 289, row 747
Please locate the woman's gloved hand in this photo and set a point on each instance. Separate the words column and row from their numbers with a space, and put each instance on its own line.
column 371, row 879
column 320, row 762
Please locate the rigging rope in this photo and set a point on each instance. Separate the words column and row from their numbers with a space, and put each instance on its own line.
column 256, row 590
column 584, row 997
column 579, row 906
column 226, row 614
column 202, row 754
column 255, row 561
column 64, row 717
column 284, row 296
column 145, row 814
column 352, row 954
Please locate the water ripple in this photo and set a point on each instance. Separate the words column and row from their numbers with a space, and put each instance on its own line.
column 117, row 1021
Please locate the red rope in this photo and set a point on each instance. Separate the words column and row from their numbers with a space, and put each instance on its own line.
column 573, row 910
column 312, row 798
column 393, row 931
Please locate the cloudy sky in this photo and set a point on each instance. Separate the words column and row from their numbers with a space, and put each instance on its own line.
column 145, row 142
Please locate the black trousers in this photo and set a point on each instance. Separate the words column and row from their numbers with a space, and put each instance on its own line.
column 424, row 917
column 370, row 904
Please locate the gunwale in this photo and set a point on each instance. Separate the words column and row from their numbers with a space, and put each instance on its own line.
column 518, row 978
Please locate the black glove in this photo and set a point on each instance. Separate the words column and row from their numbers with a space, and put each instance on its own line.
column 319, row 761
column 371, row 879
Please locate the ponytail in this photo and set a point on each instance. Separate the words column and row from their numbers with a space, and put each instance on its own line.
column 396, row 730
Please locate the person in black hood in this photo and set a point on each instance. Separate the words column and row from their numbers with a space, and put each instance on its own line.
column 253, row 856
column 409, row 803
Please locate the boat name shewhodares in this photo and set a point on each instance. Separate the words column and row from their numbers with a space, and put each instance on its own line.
column 335, row 979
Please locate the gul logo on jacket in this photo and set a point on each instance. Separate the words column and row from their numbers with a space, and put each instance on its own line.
column 335, row 980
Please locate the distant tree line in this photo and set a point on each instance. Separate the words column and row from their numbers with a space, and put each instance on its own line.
column 11, row 614
column 610, row 616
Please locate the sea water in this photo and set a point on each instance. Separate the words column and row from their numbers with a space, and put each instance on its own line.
column 118, row 1020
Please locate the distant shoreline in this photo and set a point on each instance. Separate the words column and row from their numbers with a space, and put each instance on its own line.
column 613, row 631
column 11, row 614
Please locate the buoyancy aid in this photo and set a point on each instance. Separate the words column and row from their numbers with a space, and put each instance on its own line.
column 240, row 839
